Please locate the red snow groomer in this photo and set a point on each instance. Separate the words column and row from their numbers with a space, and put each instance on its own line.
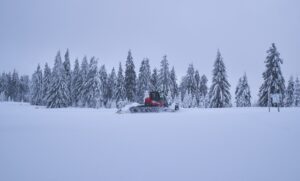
column 153, row 103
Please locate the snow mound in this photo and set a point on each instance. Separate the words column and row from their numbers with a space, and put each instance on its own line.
column 126, row 108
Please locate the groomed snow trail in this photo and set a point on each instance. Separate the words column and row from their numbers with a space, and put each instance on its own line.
column 74, row 144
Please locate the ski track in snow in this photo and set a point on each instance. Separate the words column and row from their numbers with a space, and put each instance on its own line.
column 39, row 144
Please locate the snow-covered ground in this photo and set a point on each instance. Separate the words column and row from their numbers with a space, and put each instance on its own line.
column 38, row 144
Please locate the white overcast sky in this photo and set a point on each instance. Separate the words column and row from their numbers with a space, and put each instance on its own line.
column 188, row 31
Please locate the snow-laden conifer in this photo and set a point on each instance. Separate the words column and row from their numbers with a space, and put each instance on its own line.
column 203, row 91
column 112, row 84
column 289, row 93
column 46, row 83
column 143, row 83
column 173, row 85
column 188, row 87
column 82, row 82
column 58, row 94
column 130, row 78
column 92, row 85
column 24, row 89
column 297, row 93
column 4, row 87
column 37, row 87
column 120, row 93
column 164, row 77
column 67, row 76
column 190, row 83
column 103, row 86
column 15, row 86
column 182, row 88
column 273, row 79
column 197, row 88
column 242, row 93
column 219, row 94
column 76, row 84
column 237, row 89
column 154, row 81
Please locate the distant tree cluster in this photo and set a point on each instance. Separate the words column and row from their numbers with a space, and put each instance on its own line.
column 14, row 87
column 193, row 89
column 87, row 85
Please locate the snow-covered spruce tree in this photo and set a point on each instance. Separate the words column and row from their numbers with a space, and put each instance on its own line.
column 82, row 82
column 57, row 95
column 112, row 83
column 190, row 80
column 4, row 87
column 9, row 88
column 164, row 77
column 219, row 94
column 297, row 93
column 24, row 88
column 46, row 83
column 203, row 85
column 76, row 84
column 143, row 82
column 188, row 87
column 169, row 98
column 182, row 88
column 289, row 93
column 197, row 88
column 103, row 86
column 92, row 85
column 173, row 85
column 243, row 94
column 36, row 87
column 9, row 91
column 120, row 94
column 67, row 76
column 273, row 79
column 130, row 79
column 237, row 90
column 203, row 91
column 15, row 84
column 154, row 81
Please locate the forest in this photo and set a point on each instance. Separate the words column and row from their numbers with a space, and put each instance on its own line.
column 87, row 85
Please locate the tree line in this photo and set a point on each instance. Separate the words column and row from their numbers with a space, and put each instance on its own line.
column 87, row 85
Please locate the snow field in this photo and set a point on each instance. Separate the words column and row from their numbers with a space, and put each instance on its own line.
column 193, row 144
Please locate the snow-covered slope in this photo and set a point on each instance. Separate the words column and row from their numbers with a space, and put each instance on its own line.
column 38, row 144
